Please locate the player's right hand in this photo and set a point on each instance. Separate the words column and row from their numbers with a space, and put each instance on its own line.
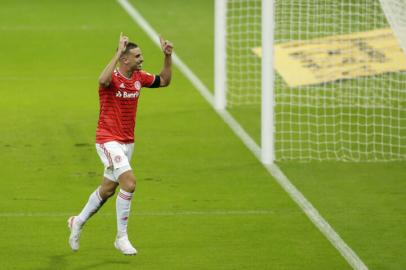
column 122, row 43
column 166, row 46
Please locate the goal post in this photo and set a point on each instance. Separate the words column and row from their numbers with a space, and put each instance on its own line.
column 220, row 15
column 328, row 76
column 395, row 12
column 267, row 76
column 267, row 98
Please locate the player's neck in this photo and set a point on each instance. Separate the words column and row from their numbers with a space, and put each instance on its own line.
column 125, row 72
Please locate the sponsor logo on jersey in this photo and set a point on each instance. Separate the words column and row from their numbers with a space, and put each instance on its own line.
column 122, row 85
column 137, row 85
column 124, row 94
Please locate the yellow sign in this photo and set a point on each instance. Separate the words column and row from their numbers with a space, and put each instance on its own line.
column 338, row 57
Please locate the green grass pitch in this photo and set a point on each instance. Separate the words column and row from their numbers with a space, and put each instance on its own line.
column 203, row 201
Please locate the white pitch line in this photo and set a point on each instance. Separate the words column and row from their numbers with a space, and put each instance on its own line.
column 158, row 213
column 349, row 255
column 312, row 213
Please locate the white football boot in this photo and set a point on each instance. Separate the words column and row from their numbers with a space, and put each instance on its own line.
column 124, row 246
column 75, row 229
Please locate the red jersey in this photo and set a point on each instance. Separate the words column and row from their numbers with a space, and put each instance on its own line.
column 118, row 106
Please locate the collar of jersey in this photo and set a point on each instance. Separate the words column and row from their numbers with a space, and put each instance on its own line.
column 122, row 75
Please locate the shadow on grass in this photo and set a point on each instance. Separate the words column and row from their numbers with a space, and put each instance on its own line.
column 109, row 264
column 61, row 262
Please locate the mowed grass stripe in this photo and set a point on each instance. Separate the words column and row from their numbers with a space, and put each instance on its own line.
column 325, row 228
column 363, row 202
column 185, row 159
column 139, row 213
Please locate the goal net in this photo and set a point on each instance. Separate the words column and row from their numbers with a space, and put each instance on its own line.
column 340, row 76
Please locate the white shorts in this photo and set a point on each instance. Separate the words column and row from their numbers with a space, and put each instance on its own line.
column 115, row 158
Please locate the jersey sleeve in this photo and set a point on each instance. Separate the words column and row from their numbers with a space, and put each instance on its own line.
column 111, row 85
column 149, row 80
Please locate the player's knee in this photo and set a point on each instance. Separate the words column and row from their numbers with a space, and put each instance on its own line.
column 109, row 193
column 131, row 188
column 130, row 185
column 127, row 182
column 106, row 193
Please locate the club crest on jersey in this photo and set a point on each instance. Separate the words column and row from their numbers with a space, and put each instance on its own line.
column 137, row 85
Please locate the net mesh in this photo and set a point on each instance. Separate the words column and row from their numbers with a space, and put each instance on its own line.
column 243, row 67
column 359, row 118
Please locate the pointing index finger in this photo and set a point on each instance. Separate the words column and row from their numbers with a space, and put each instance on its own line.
column 161, row 40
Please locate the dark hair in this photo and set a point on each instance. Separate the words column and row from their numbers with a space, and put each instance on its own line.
column 130, row 46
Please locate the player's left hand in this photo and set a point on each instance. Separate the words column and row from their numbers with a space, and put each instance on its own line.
column 166, row 46
column 123, row 41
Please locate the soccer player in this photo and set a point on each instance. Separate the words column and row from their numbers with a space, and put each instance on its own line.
column 119, row 91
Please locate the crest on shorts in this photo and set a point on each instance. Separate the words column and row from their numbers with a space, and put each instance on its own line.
column 117, row 159
column 137, row 85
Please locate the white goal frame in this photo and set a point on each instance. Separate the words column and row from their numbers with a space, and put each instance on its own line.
column 267, row 84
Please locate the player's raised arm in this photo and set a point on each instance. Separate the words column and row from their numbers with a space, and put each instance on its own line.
column 105, row 76
column 166, row 72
